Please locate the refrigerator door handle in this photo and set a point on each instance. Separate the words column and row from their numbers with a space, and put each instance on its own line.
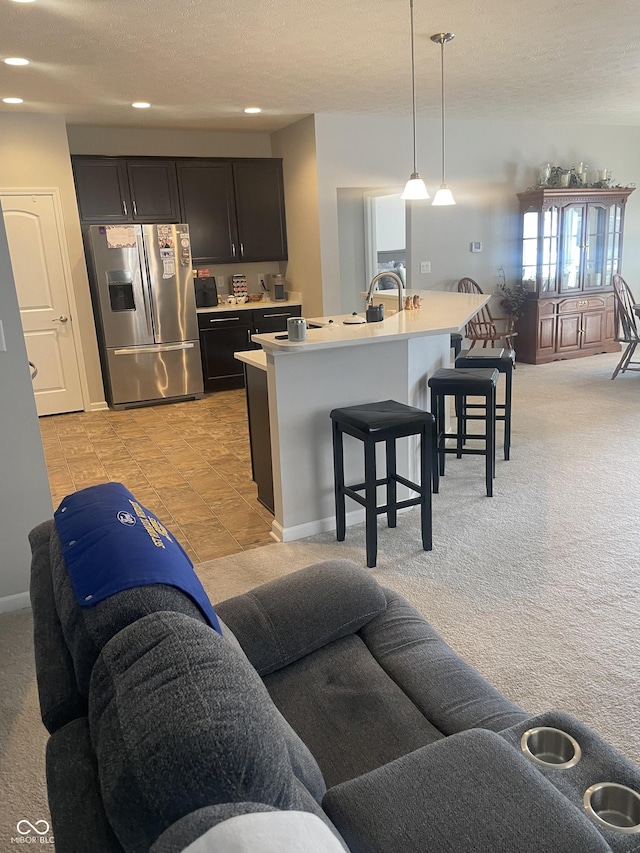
column 154, row 348
column 146, row 298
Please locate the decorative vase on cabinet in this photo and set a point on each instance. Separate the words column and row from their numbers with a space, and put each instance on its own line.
column 571, row 241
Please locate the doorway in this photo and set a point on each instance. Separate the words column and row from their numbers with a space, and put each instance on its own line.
column 41, row 269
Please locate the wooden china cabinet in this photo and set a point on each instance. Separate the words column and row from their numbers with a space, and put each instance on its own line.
column 571, row 242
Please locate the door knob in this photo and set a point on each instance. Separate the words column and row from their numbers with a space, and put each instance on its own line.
column 60, row 319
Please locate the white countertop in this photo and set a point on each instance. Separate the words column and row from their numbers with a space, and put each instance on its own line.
column 442, row 312
column 264, row 303
column 253, row 357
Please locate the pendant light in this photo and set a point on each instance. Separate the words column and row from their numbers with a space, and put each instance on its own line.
column 443, row 195
column 415, row 188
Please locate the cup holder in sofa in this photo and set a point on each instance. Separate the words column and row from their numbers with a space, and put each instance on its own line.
column 551, row 748
column 614, row 807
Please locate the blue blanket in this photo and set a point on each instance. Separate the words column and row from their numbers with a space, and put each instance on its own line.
column 110, row 542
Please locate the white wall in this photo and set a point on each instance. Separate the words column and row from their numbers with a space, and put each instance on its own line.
column 297, row 146
column 159, row 142
column 25, row 499
column 488, row 162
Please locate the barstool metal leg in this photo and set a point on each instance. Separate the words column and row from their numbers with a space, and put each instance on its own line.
column 490, row 441
column 338, row 477
column 507, row 413
column 371, row 515
column 461, row 423
column 392, row 486
column 425, row 481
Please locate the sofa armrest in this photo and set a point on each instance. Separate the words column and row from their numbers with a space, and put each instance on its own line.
column 285, row 619
column 469, row 792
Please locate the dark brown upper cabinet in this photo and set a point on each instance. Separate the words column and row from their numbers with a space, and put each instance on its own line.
column 234, row 208
column 260, row 210
column 154, row 191
column 113, row 189
column 208, row 207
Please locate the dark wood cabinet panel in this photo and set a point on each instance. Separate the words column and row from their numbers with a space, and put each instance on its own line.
column 260, row 215
column 153, row 187
column 259, row 433
column 102, row 189
column 207, row 202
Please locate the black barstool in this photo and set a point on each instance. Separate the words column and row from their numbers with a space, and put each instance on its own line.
column 456, row 343
column 371, row 423
column 447, row 382
column 504, row 360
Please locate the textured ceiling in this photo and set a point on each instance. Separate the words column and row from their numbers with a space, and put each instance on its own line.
column 199, row 62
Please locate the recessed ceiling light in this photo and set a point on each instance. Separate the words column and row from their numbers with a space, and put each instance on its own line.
column 253, row 110
column 140, row 105
column 23, row 1
column 15, row 100
column 16, row 60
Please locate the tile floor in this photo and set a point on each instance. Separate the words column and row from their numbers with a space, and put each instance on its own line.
column 189, row 463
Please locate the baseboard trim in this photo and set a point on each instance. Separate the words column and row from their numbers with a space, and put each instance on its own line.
column 310, row 528
column 98, row 407
column 14, row 602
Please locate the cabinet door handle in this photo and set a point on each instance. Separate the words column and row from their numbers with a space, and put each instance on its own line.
column 242, row 250
column 249, row 334
column 124, row 207
column 282, row 314
column 223, row 319
column 135, row 209
column 233, row 249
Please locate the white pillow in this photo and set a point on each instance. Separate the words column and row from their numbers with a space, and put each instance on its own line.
column 268, row 832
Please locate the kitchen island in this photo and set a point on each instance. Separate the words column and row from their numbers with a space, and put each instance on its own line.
column 342, row 365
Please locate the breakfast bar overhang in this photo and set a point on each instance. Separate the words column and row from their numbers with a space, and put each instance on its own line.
column 343, row 365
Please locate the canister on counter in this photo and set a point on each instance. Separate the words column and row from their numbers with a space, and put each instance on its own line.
column 297, row 328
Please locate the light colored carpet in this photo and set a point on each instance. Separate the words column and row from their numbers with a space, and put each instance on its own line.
column 538, row 587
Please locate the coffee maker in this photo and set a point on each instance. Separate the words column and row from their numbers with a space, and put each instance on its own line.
column 277, row 287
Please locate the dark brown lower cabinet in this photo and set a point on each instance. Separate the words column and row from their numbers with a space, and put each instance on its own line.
column 572, row 327
column 259, row 433
column 221, row 335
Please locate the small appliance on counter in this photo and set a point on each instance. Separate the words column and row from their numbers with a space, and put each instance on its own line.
column 206, row 292
column 278, row 287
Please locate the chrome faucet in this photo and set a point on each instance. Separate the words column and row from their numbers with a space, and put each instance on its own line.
column 377, row 278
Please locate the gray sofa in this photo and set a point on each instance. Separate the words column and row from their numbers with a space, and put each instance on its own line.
column 327, row 697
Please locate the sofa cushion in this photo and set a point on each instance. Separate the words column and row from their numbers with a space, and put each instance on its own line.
column 347, row 710
column 290, row 617
column 178, row 722
column 73, row 786
column 60, row 699
column 449, row 692
column 467, row 793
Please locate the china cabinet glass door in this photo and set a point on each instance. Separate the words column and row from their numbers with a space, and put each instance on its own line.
column 595, row 243
column 549, row 261
column 613, row 244
column 572, row 248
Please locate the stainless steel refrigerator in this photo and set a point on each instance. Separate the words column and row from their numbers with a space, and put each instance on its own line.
column 144, row 302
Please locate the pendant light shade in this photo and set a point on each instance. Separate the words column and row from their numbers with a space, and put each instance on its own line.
column 443, row 196
column 415, row 188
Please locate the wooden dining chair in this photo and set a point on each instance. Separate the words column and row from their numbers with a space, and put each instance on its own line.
column 484, row 327
column 626, row 324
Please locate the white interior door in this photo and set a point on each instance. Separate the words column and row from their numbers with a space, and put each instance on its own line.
column 40, row 268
